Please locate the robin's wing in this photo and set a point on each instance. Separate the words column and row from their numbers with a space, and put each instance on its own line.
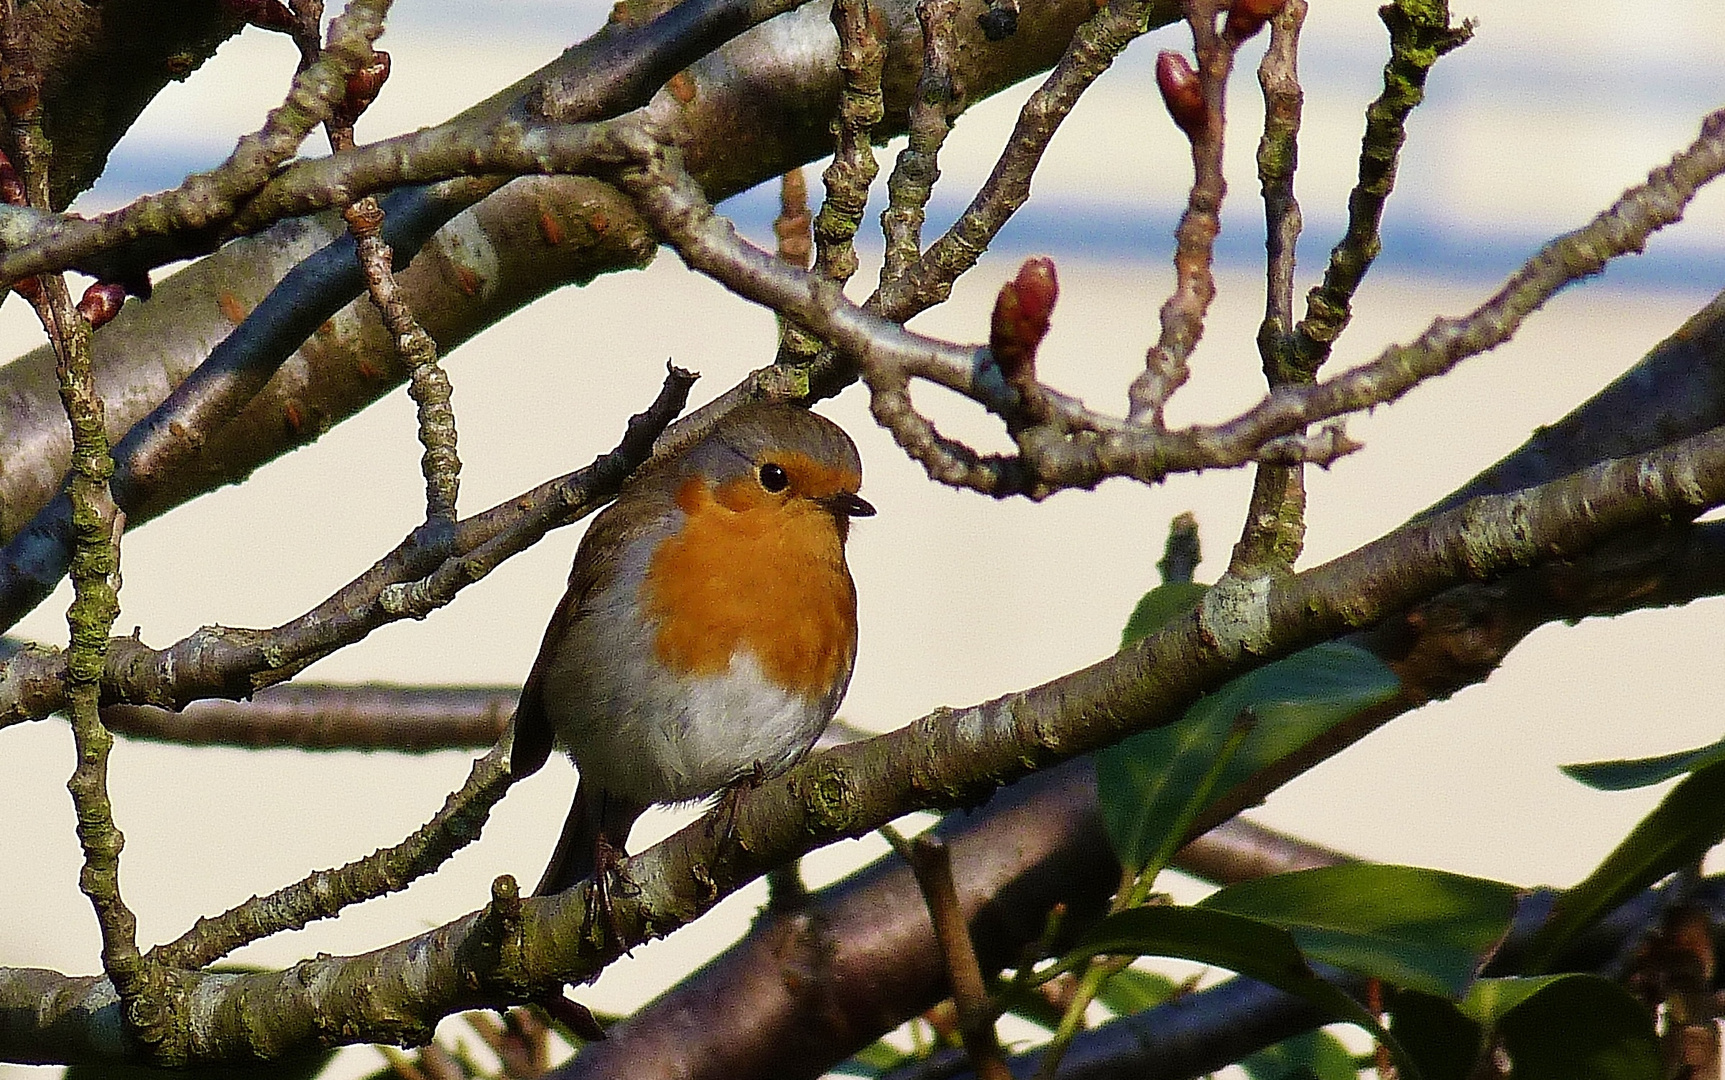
column 595, row 561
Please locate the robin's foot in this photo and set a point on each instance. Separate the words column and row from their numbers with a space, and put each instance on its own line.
column 607, row 861
column 724, row 815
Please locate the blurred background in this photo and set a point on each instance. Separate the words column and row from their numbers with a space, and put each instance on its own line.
column 1528, row 131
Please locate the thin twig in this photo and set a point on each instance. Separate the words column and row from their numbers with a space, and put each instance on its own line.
column 313, row 716
column 427, row 382
column 323, row 894
column 1078, row 447
column 1275, row 527
column 793, row 225
column 1420, row 34
column 854, row 168
column 932, row 862
column 794, row 228
column 1182, row 315
column 95, row 528
column 1092, row 50
column 226, row 662
column 937, row 102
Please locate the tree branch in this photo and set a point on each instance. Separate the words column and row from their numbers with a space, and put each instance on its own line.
column 311, row 716
column 411, row 580
column 1074, row 446
column 947, row 758
column 769, row 93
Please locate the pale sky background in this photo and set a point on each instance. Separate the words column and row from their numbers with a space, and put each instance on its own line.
column 1528, row 131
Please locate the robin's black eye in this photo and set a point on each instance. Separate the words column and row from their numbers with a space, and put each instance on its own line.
column 773, row 477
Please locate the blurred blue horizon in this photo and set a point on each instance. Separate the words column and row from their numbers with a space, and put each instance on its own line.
column 1528, row 131
column 1113, row 231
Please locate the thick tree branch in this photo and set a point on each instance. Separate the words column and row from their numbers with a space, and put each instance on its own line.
column 1457, row 639
column 945, row 759
column 101, row 64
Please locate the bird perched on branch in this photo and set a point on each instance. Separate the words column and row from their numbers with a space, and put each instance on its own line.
column 708, row 632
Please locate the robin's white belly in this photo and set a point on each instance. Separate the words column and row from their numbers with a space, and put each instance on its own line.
column 710, row 732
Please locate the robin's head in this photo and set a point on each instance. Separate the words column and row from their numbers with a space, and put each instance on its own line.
column 775, row 455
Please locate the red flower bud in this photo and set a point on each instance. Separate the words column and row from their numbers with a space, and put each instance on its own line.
column 1181, row 92
column 102, row 302
column 1021, row 315
column 1247, row 17
column 29, row 288
column 364, row 84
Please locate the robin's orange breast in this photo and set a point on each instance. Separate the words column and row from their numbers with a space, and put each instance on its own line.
column 749, row 571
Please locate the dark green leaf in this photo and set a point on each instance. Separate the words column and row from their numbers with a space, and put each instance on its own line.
column 1437, row 1034
column 1681, row 829
column 1577, row 1027
column 1158, row 607
column 1553, row 1027
column 1629, row 773
column 1222, row 939
column 1146, row 783
column 1422, row 929
column 1316, row 1054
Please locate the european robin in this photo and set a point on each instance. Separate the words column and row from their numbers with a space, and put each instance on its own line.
column 708, row 632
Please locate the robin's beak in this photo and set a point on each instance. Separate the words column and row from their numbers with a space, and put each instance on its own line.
column 846, row 504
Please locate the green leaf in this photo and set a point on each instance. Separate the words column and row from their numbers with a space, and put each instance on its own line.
column 1581, row 1027
column 1685, row 825
column 1222, row 939
column 1422, row 929
column 1132, row 991
column 1315, row 1054
column 1554, row 1027
column 1147, row 781
column 1623, row 774
column 1158, row 607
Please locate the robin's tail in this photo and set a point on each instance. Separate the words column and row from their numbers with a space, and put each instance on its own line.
column 593, row 836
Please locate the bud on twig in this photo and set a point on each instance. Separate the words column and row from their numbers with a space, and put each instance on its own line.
column 1181, row 92
column 101, row 302
column 363, row 86
column 1247, row 17
column 1021, row 316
